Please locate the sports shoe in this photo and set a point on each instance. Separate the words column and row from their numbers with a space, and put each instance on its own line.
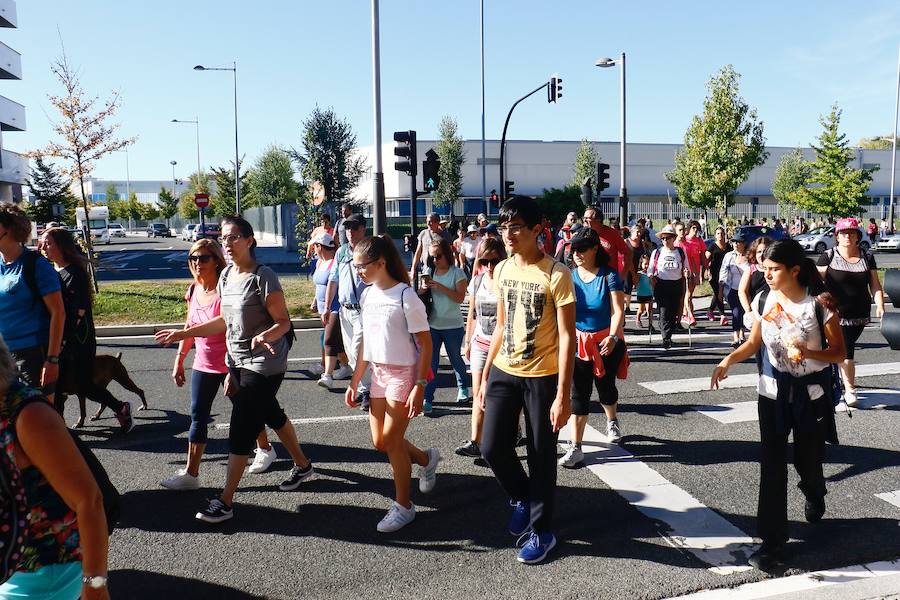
column 427, row 407
column 767, row 558
column 520, row 520
column 613, row 433
column 343, row 372
column 667, row 344
column 325, row 381
column 216, row 512
column 710, row 315
column 639, row 321
column 262, row 461
column 723, row 321
column 182, row 481
column 428, row 473
column 298, row 474
column 536, row 547
column 469, row 448
column 124, row 417
column 572, row 458
column 364, row 401
column 462, row 395
column 397, row 517
column 317, row 369
column 814, row 510
column 850, row 397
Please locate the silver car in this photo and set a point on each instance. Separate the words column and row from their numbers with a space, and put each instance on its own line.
column 187, row 232
column 820, row 239
column 888, row 243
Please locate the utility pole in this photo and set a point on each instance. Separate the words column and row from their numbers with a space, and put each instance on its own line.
column 380, row 216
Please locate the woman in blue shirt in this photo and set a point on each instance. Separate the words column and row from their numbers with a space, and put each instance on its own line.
column 600, row 350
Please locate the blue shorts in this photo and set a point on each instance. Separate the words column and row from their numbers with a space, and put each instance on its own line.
column 53, row 582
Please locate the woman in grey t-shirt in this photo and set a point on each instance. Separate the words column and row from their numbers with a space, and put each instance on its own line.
column 256, row 324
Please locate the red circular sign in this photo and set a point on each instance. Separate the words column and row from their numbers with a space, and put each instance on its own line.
column 201, row 200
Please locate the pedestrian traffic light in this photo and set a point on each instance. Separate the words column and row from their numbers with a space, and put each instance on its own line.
column 405, row 149
column 602, row 177
column 495, row 198
column 890, row 322
column 431, row 167
column 508, row 188
column 587, row 192
column 554, row 90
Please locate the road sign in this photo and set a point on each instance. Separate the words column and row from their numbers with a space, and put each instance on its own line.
column 201, row 200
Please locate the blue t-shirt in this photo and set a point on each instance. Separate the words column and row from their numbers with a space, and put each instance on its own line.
column 25, row 322
column 643, row 289
column 593, row 302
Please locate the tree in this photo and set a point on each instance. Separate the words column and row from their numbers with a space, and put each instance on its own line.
column 451, row 154
column 879, row 142
column 111, row 192
column 586, row 160
column 167, row 203
column 187, row 208
column 147, row 211
column 85, row 131
column 221, row 202
column 791, row 177
column 329, row 154
column 835, row 188
column 49, row 187
column 133, row 208
column 721, row 147
column 308, row 215
column 556, row 203
column 271, row 181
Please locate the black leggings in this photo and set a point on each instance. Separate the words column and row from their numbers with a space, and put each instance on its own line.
column 737, row 311
column 851, row 336
column 669, row 296
column 717, row 303
column 254, row 406
column 583, row 380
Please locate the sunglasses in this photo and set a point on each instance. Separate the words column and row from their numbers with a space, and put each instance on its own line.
column 436, row 256
column 200, row 258
column 489, row 262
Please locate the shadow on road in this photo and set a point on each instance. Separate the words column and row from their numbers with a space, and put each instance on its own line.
column 131, row 584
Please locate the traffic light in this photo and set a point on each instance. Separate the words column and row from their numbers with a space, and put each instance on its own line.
column 554, row 90
column 410, row 242
column 430, row 171
column 405, row 149
column 587, row 192
column 890, row 322
column 602, row 177
column 508, row 187
column 495, row 198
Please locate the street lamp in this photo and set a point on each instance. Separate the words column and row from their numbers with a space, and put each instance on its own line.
column 623, row 191
column 894, row 146
column 237, row 175
column 173, row 163
column 127, row 186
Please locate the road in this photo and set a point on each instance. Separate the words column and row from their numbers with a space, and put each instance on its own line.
column 667, row 513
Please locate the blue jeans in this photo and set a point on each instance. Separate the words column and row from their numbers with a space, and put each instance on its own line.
column 52, row 582
column 451, row 339
column 203, row 391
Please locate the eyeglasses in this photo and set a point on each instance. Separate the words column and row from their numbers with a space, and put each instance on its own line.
column 227, row 239
column 437, row 256
column 489, row 262
column 200, row 258
column 361, row 266
column 510, row 229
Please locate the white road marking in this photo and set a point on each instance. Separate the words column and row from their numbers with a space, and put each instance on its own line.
column 699, row 384
column 315, row 420
column 890, row 497
column 160, row 269
column 796, row 584
column 685, row 522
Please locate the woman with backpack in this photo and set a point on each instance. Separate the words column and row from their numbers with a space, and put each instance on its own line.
column 55, row 535
column 799, row 335
column 668, row 270
column 600, row 355
column 397, row 344
column 734, row 265
column 257, row 331
column 851, row 276
column 79, row 337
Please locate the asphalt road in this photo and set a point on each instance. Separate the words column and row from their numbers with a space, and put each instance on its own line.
column 616, row 540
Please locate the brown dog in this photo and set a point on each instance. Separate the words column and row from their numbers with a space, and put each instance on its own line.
column 106, row 369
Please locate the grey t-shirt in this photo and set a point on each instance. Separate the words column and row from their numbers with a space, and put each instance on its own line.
column 245, row 314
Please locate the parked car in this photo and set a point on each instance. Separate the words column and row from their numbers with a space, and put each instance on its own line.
column 187, row 232
column 76, row 232
column 158, row 230
column 116, row 230
column 888, row 242
column 209, row 231
column 820, row 239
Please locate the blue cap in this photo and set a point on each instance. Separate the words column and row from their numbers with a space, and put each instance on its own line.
column 492, row 228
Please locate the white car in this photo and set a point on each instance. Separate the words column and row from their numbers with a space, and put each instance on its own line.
column 888, row 242
column 116, row 230
column 820, row 239
column 187, row 232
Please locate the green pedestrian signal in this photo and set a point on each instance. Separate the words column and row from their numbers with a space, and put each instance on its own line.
column 430, row 167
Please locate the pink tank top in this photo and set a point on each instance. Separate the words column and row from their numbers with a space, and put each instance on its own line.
column 209, row 352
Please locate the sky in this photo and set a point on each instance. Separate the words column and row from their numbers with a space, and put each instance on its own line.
column 796, row 59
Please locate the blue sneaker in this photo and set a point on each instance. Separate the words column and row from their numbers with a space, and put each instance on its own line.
column 520, row 521
column 536, row 548
column 462, row 395
column 426, row 407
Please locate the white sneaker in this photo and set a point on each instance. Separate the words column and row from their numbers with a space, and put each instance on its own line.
column 262, row 461
column 325, row 381
column 572, row 458
column 428, row 473
column 613, row 433
column 850, row 397
column 182, row 481
column 397, row 518
column 343, row 372
column 317, row 369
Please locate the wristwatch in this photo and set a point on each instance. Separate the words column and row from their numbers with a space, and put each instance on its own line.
column 615, row 338
column 422, row 382
column 53, row 360
column 94, row 581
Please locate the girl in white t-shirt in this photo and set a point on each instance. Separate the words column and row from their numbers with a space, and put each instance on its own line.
column 397, row 343
column 795, row 389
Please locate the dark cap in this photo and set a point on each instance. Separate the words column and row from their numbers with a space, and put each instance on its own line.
column 491, row 228
column 738, row 236
column 585, row 238
column 354, row 221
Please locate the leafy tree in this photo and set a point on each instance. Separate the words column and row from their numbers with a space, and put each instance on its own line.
column 721, row 147
column 586, row 160
column 117, row 209
column 167, row 203
column 148, row 211
column 452, row 155
column 49, row 187
column 307, row 218
column 556, row 203
column 329, row 154
column 133, row 208
column 111, row 192
column 221, row 202
column 187, row 208
column 271, row 181
column 791, row 177
column 879, row 142
column 836, row 188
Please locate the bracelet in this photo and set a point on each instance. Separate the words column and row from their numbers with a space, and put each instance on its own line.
column 422, row 382
column 53, row 360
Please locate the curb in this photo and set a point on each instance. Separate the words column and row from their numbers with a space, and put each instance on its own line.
column 106, row 331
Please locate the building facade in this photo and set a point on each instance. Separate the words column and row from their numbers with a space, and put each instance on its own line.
column 146, row 191
column 13, row 166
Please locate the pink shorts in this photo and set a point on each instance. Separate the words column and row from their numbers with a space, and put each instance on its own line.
column 393, row 382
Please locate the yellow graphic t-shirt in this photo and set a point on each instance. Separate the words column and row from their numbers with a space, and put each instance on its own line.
column 530, row 295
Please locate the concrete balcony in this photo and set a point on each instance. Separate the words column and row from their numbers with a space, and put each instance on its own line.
column 10, row 63
column 8, row 16
column 14, row 168
column 12, row 115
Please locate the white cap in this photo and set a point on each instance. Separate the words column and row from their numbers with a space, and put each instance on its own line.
column 324, row 239
column 472, row 229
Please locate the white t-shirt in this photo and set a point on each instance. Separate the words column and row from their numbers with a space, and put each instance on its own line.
column 388, row 318
column 805, row 329
column 485, row 309
column 469, row 245
column 669, row 265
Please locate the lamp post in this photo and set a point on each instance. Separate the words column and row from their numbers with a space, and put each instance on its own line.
column 484, row 203
column 623, row 190
column 173, row 163
column 380, row 218
column 894, row 147
column 196, row 122
column 237, row 175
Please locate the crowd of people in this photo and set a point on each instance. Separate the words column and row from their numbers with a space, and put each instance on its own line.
column 545, row 326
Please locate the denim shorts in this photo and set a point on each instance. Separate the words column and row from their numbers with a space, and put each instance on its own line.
column 52, row 582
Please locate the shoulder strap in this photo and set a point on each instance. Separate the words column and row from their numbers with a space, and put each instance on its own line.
column 820, row 320
column 478, row 279
column 681, row 255
column 830, row 254
column 654, row 262
column 225, row 275
column 29, row 273
column 191, row 290
column 761, row 302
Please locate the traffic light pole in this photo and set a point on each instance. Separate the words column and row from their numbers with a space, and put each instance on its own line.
column 623, row 190
column 413, row 200
column 503, row 140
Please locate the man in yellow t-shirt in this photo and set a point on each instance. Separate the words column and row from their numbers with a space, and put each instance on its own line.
column 529, row 366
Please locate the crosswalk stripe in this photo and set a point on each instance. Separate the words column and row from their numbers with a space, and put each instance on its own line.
column 686, row 523
column 890, row 497
column 742, row 412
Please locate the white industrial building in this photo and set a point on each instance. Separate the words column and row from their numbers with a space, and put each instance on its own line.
column 13, row 167
column 146, row 191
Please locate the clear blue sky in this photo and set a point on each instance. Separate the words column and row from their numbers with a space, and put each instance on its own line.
column 796, row 59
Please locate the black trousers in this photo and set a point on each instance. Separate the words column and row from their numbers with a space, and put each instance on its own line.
column 669, row 296
column 717, row 303
column 253, row 407
column 809, row 452
column 505, row 397
column 583, row 380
